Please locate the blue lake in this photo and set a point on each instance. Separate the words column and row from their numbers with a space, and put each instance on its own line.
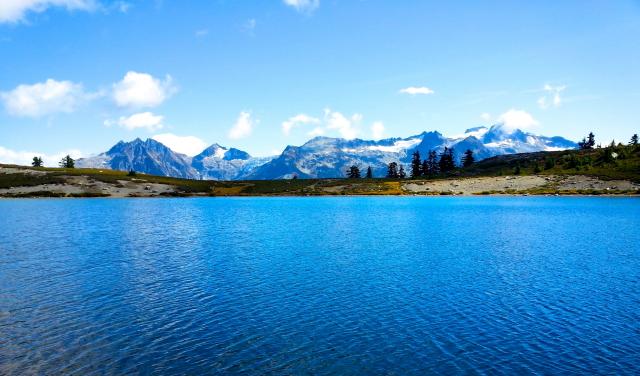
column 387, row 285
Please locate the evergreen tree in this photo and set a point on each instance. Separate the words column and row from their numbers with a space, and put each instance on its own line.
column 353, row 172
column 432, row 162
column 67, row 162
column 634, row 140
column 392, row 170
column 516, row 171
column 37, row 162
column 591, row 140
column 468, row 159
column 369, row 173
column 416, row 165
column 132, row 173
column 587, row 143
column 446, row 162
column 401, row 173
column 425, row 168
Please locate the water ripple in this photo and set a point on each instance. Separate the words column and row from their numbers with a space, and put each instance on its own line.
column 395, row 286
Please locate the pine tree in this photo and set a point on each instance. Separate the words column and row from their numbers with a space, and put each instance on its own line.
column 516, row 171
column 392, row 170
column 369, row 173
column 67, row 162
column 426, row 172
column 353, row 172
column 37, row 162
column 446, row 162
column 468, row 159
column 401, row 173
column 591, row 140
column 416, row 165
column 634, row 140
column 587, row 143
column 432, row 161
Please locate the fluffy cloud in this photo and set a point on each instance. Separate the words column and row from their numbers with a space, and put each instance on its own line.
column 188, row 145
column 16, row 10
column 298, row 120
column 517, row 119
column 551, row 97
column 304, row 6
column 142, row 90
column 243, row 127
column 24, row 158
column 416, row 90
column 346, row 126
column 377, row 130
column 145, row 120
column 43, row 98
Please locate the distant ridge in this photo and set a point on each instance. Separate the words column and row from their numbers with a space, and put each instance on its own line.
column 320, row 157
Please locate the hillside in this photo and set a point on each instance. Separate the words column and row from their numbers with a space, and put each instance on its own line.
column 612, row 170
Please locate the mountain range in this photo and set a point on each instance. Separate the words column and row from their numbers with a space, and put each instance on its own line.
column 320, row 157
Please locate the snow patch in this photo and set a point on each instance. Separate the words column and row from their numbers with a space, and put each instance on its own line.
column 500, row 144
column 397, row 147
column 220, row 152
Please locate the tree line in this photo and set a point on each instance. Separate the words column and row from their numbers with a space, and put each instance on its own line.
column 589, row 142
column 433, row 165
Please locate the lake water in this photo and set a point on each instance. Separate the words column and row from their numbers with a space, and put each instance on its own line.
column 387, row 285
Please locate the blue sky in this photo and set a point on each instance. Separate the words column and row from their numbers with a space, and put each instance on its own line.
column 79, row 75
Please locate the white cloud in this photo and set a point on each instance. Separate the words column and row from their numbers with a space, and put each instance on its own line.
column 304, row 6
column 485, row 116
column 298, row 120
column 25, row 158
column 416, row 90
column 43, row 98
column 242, row 127
column 142, row 90
column 145, row 120
column 377, row 130
column 189, row 145
column 16, row 10
column 552, row 96
column 346, row 126
column 517, row 119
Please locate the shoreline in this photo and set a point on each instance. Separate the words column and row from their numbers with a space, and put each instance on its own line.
column 24, row 182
